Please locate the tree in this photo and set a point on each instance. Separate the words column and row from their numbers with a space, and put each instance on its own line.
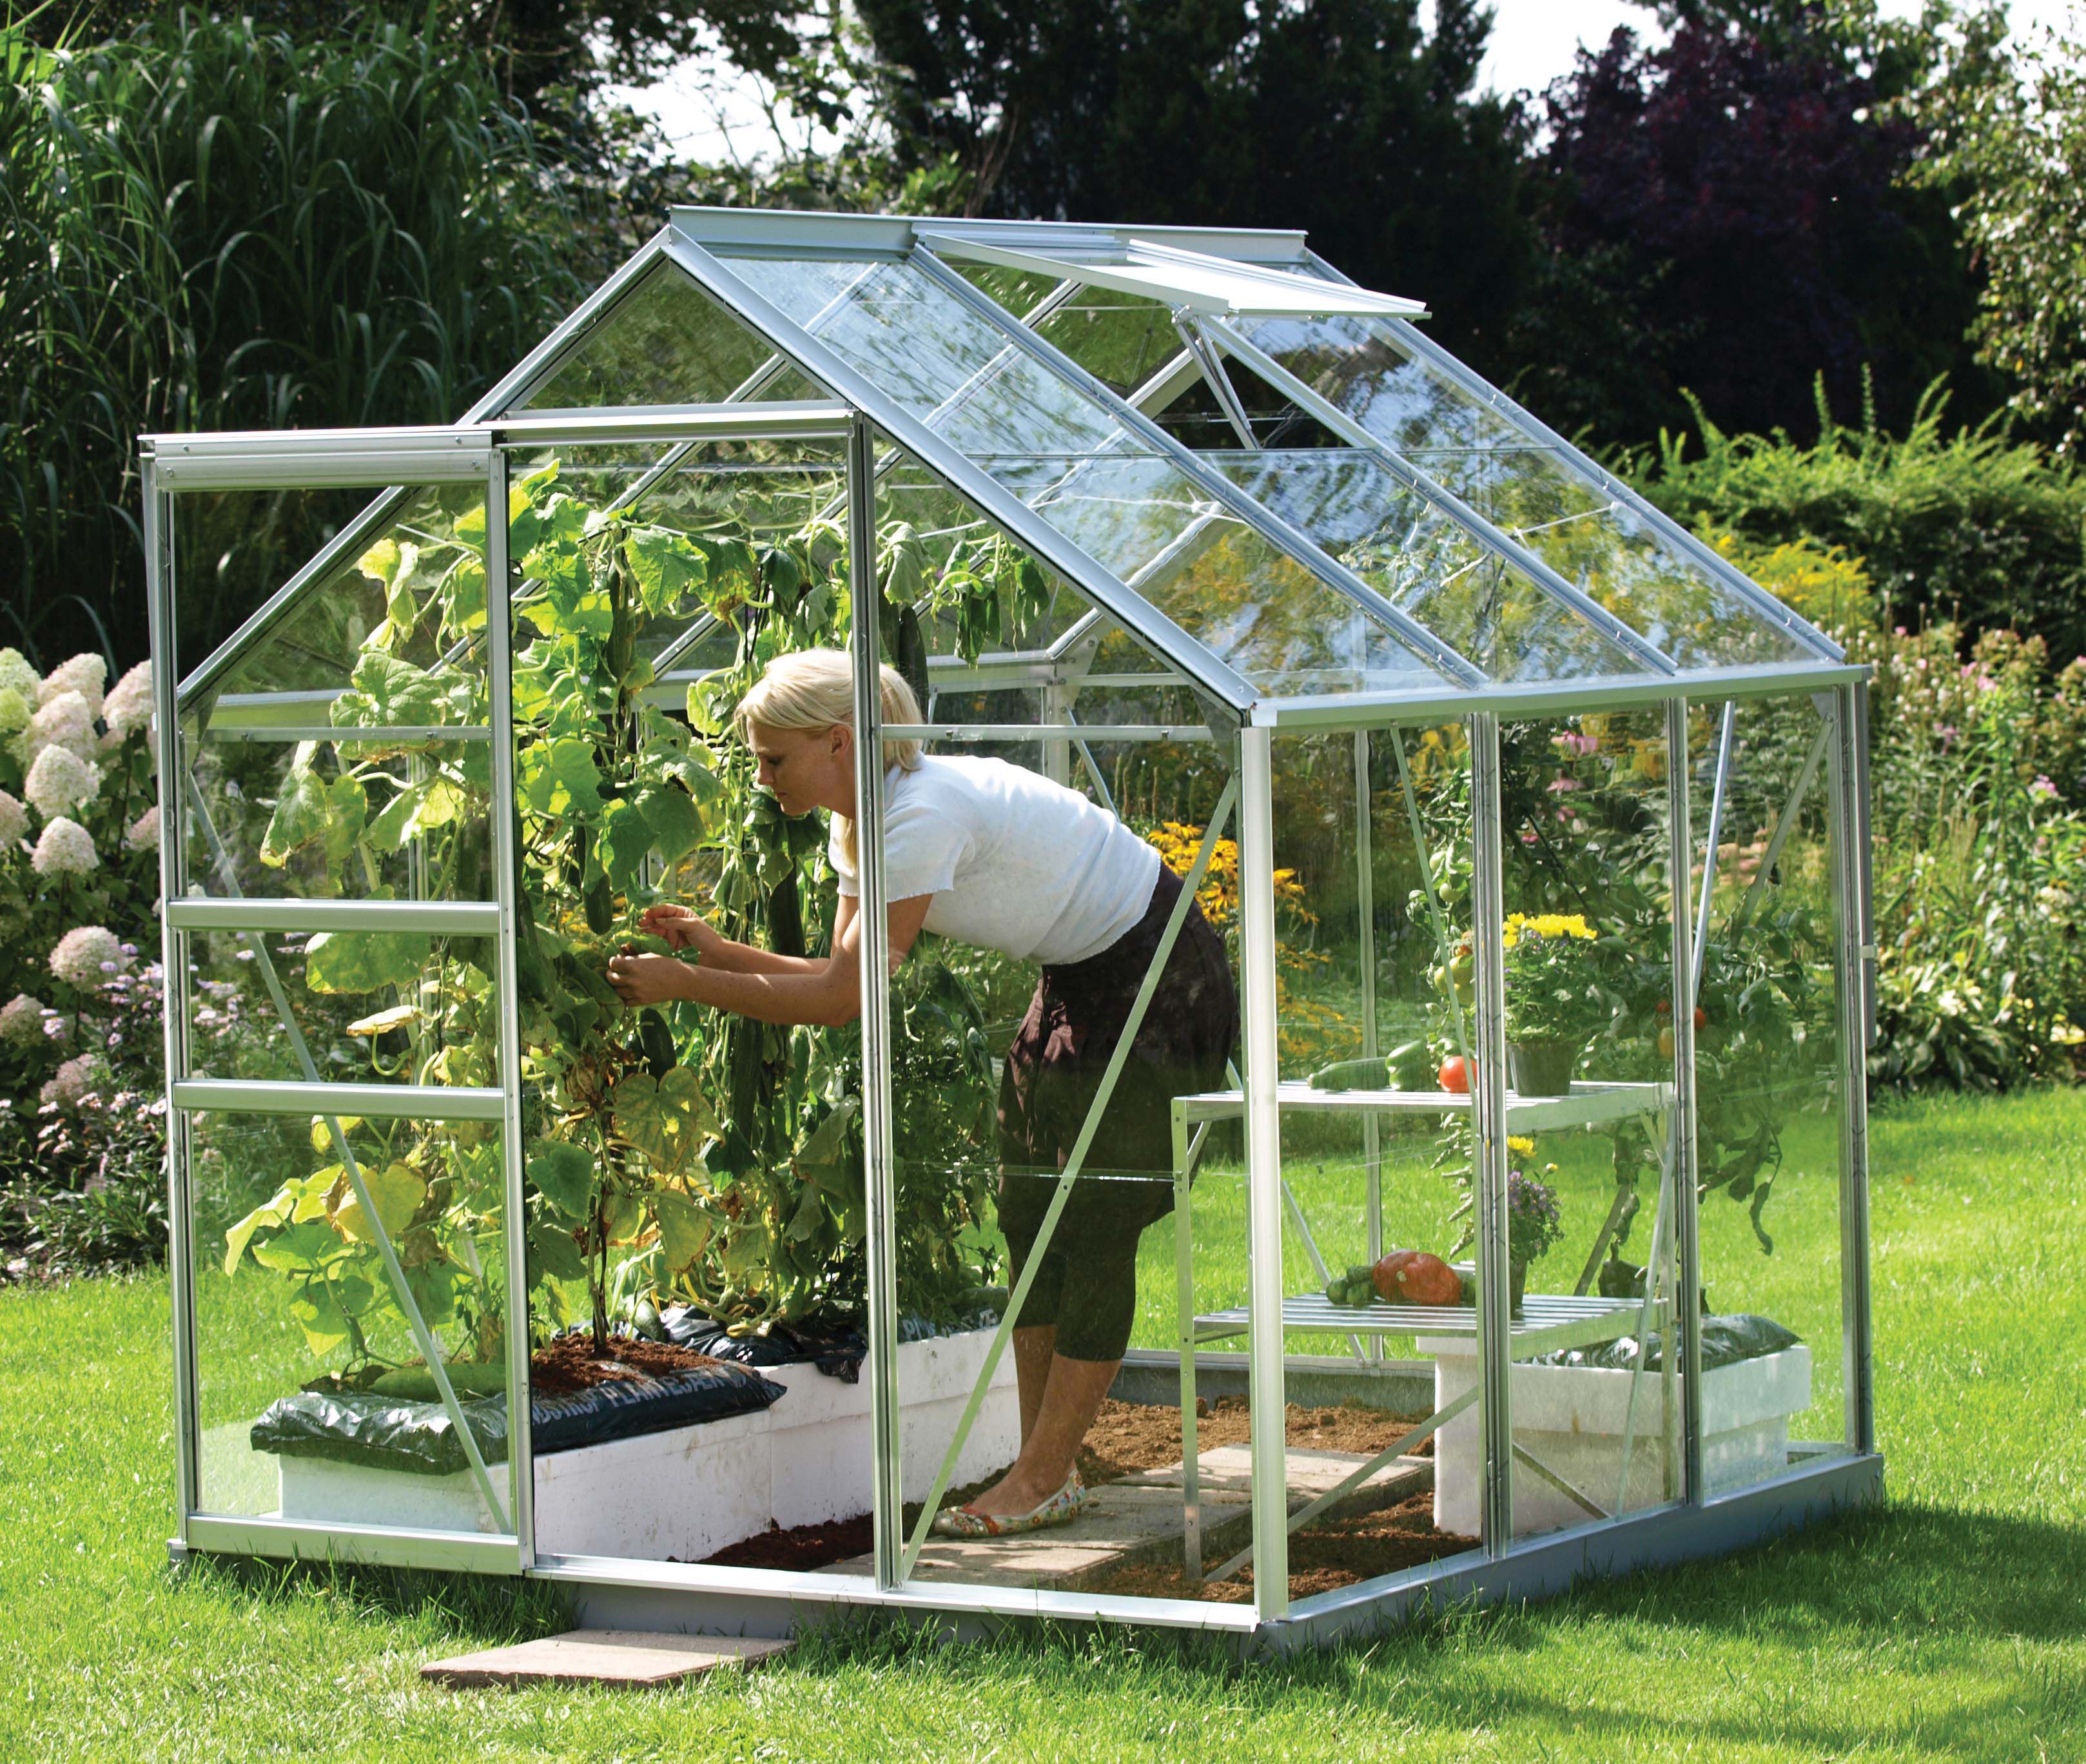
column 1349, row 118
column 1726, row 216
column 2011, row 134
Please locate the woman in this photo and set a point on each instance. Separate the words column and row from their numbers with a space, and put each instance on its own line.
column 997, row 856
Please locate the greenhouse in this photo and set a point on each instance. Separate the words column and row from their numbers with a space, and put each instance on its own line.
column 1520, row 1235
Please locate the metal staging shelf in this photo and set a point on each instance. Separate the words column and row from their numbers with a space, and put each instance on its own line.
column 1547, row 1323
column 1587, row 1104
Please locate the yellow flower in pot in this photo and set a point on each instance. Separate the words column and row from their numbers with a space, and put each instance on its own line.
column 1549, row 1008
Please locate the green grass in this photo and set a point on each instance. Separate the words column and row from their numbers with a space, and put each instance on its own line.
column 1952, row 1625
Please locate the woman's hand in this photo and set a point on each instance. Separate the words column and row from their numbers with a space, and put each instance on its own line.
column 648, row 979
column 681, row 927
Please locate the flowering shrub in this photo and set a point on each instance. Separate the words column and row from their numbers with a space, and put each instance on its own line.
column 75, row 781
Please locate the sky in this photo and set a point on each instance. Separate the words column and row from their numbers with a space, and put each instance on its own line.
column 1533, row 42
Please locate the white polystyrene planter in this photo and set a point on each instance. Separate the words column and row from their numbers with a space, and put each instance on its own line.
column 1571, row 1417
column 686, row 1493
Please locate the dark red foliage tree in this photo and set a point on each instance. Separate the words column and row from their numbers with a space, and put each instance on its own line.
column 1723, row 216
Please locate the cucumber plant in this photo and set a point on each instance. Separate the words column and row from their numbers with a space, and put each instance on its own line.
column 683, row 1151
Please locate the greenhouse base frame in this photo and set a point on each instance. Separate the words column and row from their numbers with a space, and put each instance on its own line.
column 1844, row 1476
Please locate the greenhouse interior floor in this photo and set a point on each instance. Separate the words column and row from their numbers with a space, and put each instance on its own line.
column 1136, row 1522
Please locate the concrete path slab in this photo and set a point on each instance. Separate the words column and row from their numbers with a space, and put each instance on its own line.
column 601, row 1657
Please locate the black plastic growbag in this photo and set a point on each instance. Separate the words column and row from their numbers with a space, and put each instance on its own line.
column 384, row 1434
column 1725, row 1340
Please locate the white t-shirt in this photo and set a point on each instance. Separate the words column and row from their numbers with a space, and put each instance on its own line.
column 1014, row 862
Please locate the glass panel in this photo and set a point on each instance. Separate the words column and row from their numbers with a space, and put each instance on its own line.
column 1612, row 554
column 1596, row 1421
column 1217, row 579
column 1770, row 1093
column 1017, row 290
column 1473, row 449
column 769, row 495
column 1120, row 339
column 1373, row 1187
column 302, row 1340
column 668, row 1155
column 369, row 1006
column 1087, row 473
column 426, row 566
column 1042, row 987
column 1398, row 542
column 233, row 548
column 665, row 342
column 330, row 819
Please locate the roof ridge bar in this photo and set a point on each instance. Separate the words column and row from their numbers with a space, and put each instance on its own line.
column 1541, row 433
column 1575, row 598
column 1301, row 549
column 992, row 499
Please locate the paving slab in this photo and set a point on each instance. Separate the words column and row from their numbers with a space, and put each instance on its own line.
column 634, row 1657
column 1138, row 1519
column 1227, row 1470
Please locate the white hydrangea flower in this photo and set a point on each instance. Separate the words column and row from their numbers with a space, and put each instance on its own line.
column 65, row 849
column 63, row 722
column 129, row 706
column 14, row 820
column 143, row 834
column 83, row 954
column 59, row 780
column 85, row 675
column 16, row 708
column 71, row 1082
column 17, row 676
column 21, row 1021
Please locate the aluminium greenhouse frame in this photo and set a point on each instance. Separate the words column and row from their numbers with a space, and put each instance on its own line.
column 1244, row 720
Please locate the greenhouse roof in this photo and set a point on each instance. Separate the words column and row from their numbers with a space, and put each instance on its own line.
column 1375, row 528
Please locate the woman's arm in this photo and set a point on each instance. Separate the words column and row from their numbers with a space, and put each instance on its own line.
column 827, row 992
column 683, row 928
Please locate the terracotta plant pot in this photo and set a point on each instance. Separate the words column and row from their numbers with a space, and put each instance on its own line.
column 1541, row 1068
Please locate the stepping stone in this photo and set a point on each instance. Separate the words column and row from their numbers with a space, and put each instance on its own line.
column 1227, row 1470
column 602, row 1657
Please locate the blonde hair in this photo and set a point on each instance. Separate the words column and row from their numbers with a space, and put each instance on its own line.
column 815, row 689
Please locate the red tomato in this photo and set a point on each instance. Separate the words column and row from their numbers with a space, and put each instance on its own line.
column 1455, row 1076
column 1701, row 1018
column 1664, row 1007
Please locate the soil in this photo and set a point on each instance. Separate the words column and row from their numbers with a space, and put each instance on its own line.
column 1326, row 1555
column 568, row 1365
column 1127, row 1437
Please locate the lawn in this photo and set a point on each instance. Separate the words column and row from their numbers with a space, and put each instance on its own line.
column 1953, row 1625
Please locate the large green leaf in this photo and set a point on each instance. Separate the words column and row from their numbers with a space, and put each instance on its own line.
column 564, row 1174
column 395, row 1191
column 676, row 823
column 626, row 836
column 684, row 1228
column 571, row 779
column 553, row 1254
column 362, row 961
column 389, row 691
column 667, row 1118
column 667, row 566
column 302, row 1249
column 317, row 1310
column 300, row 815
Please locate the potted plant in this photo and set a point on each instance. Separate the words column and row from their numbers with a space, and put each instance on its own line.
column 1532, row 1228
column 1549, row 1015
